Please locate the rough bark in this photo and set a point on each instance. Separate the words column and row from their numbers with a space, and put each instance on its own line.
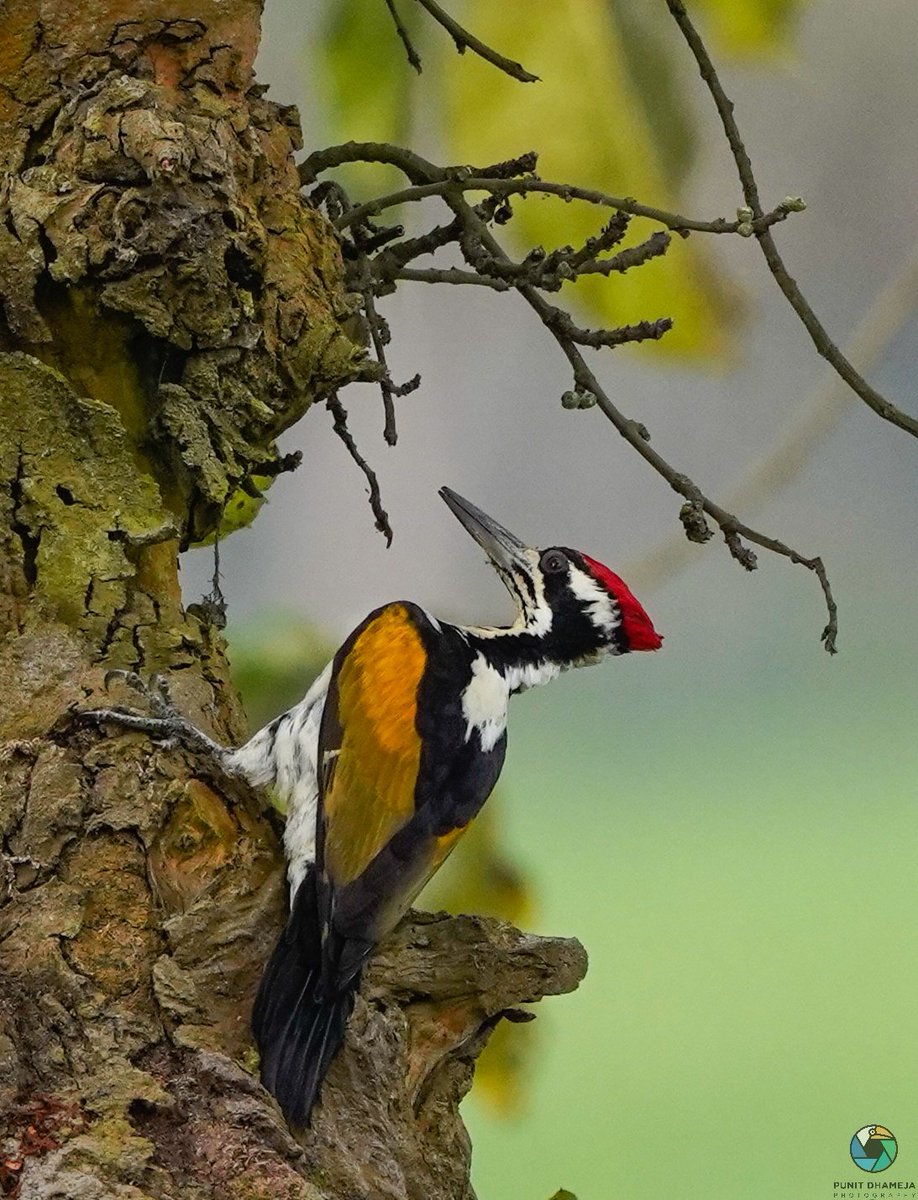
column 170, row 304
column 154, row 246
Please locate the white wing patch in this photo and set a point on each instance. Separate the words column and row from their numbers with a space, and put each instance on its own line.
column 484, row 703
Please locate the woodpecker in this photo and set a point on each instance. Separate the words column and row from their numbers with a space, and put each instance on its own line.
column 383, row 765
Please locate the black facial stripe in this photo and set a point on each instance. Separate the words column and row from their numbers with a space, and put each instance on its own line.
column 617, row 636
column 574, row 633
column 572, row 637
column 529, row 599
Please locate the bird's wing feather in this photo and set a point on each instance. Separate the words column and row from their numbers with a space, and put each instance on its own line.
column 369, row 746
column 393, row 801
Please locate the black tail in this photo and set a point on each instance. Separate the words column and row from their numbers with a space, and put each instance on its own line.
column 297, row 1027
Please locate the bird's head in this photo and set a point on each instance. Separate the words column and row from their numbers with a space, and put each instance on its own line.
column 577, row 608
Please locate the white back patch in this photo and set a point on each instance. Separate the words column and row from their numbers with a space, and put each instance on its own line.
column 284, row 755
column 484, row 703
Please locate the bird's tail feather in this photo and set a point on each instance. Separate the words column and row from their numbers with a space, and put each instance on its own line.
column 298, row 1027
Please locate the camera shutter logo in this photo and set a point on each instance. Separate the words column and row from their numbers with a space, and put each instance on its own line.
column 873, row 1148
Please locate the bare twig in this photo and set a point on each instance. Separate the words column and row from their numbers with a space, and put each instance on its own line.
column 379, row 335
column 213, row 605
column 362, row 281
column 339, row 413
column 467, row 41
column 560, row 323
column 635, row 434
column 413, row 57
column 384, row 265
column 368, row 238
column 611, row 234
column 523, row 164
column 496, row 186
column 453, row 275
column 549, row 272
column 820, row 338
column 487, row 258
column 546, row 271
column 817, row 416
column 632, row 256
column 395, row 257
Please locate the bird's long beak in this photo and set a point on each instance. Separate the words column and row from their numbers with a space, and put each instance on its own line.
column 507, row 552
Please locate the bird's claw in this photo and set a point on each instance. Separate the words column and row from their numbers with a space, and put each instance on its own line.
column 162, row 731
column 166, row 726
column 155, row 692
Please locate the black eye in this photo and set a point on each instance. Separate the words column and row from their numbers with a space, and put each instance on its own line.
column 553, row 562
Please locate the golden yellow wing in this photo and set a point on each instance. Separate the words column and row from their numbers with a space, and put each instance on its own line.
column 370, row 749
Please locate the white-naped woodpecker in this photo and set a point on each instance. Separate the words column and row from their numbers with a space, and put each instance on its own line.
column 383, row 764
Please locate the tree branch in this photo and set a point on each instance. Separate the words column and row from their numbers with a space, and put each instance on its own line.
column 339, row 413
column 812, row 421
column 637, row 437
column 820, row 338
column 454, row 275
column 487, row 258
column 467, row 41
column 413, row 57
column 495, row 185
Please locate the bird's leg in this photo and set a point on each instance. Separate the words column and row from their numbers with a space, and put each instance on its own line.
column 167, row 725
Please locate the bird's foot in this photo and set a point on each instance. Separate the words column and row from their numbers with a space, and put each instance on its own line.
column 167, row 725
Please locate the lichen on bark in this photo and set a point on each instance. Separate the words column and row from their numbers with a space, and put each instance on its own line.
column 150, row 199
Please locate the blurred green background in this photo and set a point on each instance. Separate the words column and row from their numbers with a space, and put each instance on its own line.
column 730, row 825
column 739, row 859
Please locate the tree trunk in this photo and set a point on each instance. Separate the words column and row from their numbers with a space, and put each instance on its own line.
column 170, row 304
